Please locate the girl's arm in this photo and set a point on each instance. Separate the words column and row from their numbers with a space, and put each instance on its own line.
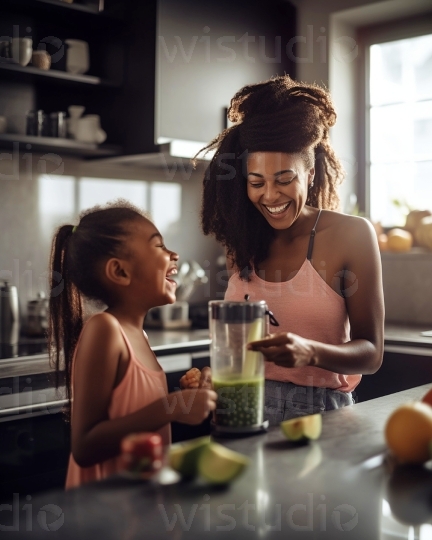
column 95, row 437
column 365, row 305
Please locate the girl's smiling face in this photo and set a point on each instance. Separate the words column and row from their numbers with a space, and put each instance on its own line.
column 277, row 185
column 151, row 264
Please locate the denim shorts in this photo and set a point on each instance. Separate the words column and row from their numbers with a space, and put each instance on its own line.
column 285, row 400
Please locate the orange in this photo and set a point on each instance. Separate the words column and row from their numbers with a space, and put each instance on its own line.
column 427, row 398
column 408, row 432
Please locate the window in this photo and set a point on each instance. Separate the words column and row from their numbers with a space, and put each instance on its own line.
column 94, row 191
column 165, row 204
column 56, row 202
column 62, row 198
column 399, row 112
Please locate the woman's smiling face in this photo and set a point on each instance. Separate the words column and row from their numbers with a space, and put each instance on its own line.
column 277, row 185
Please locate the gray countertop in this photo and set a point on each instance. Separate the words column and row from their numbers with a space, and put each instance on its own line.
column 165, row 343
column 340, row 486
column 175, row 350
column 398, row 337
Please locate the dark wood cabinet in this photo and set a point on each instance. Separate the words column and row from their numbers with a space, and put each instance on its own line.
column 49, row 23
column 206, row 51
column 34, row 454
column 159, row 70
column 401, row 369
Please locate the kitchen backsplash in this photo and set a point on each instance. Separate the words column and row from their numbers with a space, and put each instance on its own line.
column 407, row 280
column 38, row 193
column 33, row 203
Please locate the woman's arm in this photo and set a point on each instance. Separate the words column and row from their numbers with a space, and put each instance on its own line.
column 95, row 437
column 365, row 305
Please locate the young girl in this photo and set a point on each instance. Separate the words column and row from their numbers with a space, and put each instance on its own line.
column 114, row 382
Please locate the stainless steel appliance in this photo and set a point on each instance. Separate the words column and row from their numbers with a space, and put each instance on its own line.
column 190, row 276
column 9, row 314
column 37, row 316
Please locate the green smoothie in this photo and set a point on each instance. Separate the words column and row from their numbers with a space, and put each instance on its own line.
column 240, row 401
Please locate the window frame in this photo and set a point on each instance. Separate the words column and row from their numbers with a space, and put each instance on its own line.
column 367, row 36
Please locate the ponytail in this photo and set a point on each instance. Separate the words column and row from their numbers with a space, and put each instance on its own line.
column 75, row 257
column 65, row 311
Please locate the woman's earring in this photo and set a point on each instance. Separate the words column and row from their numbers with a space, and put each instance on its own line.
column 311, row 184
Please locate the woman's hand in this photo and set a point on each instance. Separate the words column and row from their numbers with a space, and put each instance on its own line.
column 285, row 349
column 194, row 378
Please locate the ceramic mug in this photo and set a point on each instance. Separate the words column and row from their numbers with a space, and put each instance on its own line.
column 75, row 113
column 88, row 129
column 77, row 56
column 22, row 51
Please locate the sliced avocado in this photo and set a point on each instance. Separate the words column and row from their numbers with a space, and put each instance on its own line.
column 183, row 457
column 220, row 465
column 302, row 428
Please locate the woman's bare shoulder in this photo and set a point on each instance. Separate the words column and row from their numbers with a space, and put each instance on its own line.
column 346, row 224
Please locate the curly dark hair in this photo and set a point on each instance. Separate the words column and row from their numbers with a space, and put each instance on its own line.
column 75, row 256
column 278, row 115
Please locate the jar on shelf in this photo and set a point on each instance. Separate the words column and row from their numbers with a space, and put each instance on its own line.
column 37, row 124
column 41, row 59
column 58, row 126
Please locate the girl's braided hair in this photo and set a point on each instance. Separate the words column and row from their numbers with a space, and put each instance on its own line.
column 278, row 115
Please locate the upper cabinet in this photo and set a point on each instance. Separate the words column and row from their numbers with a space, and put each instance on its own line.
column 206, row 51
column 79, row 61
column 153, row 71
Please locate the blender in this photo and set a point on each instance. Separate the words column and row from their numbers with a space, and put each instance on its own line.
column 237, row 374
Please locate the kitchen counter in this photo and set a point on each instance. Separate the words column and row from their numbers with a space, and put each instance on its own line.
column 340, row 486
column 26, row 383
column 31, row 357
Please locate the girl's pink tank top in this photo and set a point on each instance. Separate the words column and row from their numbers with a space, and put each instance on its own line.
column 307, row 306
column 139, row 387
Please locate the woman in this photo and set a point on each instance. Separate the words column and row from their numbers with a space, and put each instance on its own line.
column 270, row 197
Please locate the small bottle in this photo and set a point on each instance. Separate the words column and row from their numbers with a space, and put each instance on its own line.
column 58, row 126
column 31, row 128
column 42, row 127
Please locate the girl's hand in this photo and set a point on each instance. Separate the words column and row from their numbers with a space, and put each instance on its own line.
column 190, row 379
column 194, row 405
column 285, row 349
column 194, row 378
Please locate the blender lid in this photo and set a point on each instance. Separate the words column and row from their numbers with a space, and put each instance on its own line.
column 237, row 312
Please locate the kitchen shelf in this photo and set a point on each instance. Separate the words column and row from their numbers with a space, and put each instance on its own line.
column 56, row 75
column 63, row 146
column 74, row 6
column 57, row 10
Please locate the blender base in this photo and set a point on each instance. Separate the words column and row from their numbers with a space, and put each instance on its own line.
column 227, row 431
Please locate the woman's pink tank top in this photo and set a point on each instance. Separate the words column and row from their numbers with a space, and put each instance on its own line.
column 305, row 305
column 139, row 387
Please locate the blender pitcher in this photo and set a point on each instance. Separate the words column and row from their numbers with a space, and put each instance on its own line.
column 237, row 374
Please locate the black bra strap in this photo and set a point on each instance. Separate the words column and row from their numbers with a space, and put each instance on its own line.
column 312, row 237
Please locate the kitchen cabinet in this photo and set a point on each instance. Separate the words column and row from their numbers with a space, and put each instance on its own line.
column 49, row 23
column 34, row 453
column 402, row 368
column 207, row 51
column 145, row 96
